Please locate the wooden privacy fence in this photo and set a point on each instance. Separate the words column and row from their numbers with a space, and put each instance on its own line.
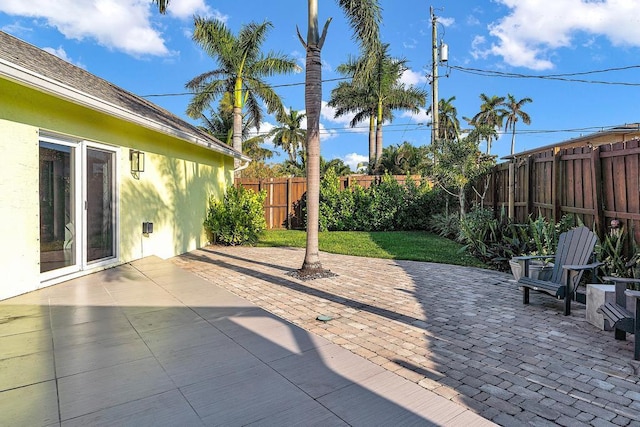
column 284, row 194
column 597, row 184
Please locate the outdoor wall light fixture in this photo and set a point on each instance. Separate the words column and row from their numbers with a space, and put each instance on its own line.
column 137, row 161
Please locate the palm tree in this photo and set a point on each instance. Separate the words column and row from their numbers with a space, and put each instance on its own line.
column 490, row 115
column 449, row 126
column 338, row 165
column 162, row 5
column 242, row 67
column 290, row 136
column 379, row 97
column 364, row 18
column 512, row 113
column 402, row 159
column 220, row 125
column 349, row 98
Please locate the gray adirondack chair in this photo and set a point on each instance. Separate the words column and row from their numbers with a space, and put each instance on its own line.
column 575, row 248
column 619, row 316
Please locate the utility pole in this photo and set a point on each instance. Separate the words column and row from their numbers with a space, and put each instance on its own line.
column 434, row 79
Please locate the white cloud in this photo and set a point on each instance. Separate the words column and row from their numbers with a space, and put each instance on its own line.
column 116, row 24
column 327, row 113
column 62, row 54
column 185, row 9
column 446, row 22
column 412, row 78
column 422, row 117
column 533, row 29
column 355, row 159
column 410, row 43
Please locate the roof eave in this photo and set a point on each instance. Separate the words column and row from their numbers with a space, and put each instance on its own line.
column 41, row 83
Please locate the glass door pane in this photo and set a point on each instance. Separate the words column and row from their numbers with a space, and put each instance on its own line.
column 57, row 212
column 100, row 224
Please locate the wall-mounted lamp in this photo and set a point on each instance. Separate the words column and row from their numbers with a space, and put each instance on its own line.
column 137, row 160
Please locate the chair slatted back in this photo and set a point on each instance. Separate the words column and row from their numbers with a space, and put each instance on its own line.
column 575, row 247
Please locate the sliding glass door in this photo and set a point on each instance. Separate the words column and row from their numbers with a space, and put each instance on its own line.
column 58, row 213
column 77, row 206
column 100, row 194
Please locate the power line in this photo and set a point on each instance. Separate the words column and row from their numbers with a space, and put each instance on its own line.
column 156, row 95
column 561, row 77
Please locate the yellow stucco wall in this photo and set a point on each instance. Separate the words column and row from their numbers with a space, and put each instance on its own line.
column 172, row 192
column 19, row 224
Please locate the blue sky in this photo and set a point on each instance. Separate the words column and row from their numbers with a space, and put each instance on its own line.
column 128, row 43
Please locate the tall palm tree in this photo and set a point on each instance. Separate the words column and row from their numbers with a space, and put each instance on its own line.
column 350, row 98
column 449, row 126
column 162, row 5
column 364, row 18
column 290, row 136
column 378, row 97
column 220, row 125
column 490, row 115
column 512, row 113
column 241, row 71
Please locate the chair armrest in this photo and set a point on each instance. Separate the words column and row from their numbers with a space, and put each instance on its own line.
column 529, row 257
column 620, row 279
column 635, row 294
column 582, row 267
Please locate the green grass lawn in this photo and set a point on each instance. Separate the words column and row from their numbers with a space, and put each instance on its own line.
column 409, row 245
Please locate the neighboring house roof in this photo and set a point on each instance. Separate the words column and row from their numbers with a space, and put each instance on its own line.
column 605, row 136
column 33, row 67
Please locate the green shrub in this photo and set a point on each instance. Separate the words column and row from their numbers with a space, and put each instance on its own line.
column 446, row 225
column 496, row 239
column 385, row 206
column 387, row 198
column 238, row 219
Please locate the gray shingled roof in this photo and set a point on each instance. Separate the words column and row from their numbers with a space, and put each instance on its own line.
column 39, row 62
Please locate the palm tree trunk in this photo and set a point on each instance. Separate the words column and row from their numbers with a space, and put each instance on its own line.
column 313, row 104
column 379, row 133
column 372, row 141
column 513, row 139
column 237, row 135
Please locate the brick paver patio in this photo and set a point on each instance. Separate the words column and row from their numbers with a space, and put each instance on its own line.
column 460, row 332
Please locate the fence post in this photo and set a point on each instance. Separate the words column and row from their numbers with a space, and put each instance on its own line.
column 289, row 204
column 512, row 189
column 596, row 179
column 557, row 185
column 529, row 193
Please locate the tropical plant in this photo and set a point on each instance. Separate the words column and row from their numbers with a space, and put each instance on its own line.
column 238, row 219
column 338, row 166
column 512, row 114
column 220, row 125
column 349, row 98
column 376, row 98
column 241, row 70
column 613, row 252
column 402, row 159
column 459, row 164
column 290, row 136
column 364, row 18
column 162, row 5
column 489, row 118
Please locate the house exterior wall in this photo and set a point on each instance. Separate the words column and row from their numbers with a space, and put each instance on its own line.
column 19, row 222
column 172, row 192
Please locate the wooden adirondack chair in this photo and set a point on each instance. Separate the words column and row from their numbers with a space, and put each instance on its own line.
column 575, row 248
column 619, row 317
